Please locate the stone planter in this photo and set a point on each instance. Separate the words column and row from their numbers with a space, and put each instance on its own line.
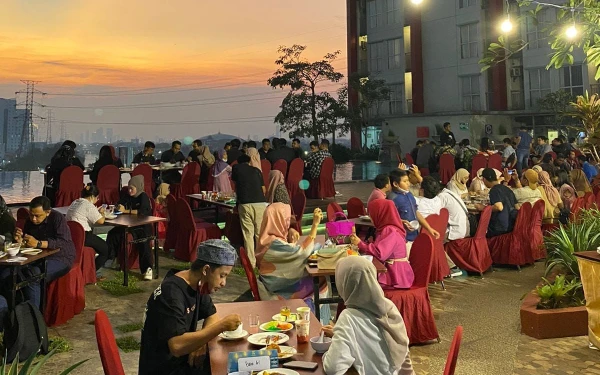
column 552, row 323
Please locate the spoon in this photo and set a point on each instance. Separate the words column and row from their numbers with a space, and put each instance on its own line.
column 321, row 338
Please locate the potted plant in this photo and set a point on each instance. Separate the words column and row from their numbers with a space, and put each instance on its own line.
column 33, row 365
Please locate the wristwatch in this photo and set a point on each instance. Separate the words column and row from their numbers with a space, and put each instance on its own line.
column 39, row 245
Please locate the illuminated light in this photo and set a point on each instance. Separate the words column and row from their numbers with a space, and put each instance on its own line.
column 304, row 184
column 506, row 26
column 571, row 32
column 416, row 2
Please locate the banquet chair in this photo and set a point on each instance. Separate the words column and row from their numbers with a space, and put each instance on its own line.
column 230, row 180
column 408, row 159
column 191, row 233
column 424, row 172
column 69, row 188
column 294, row 176
column 472, row 253
column 355, row 207
column 439, row 265
column 495, row 161
column 190, row 182
column 536, row 236
column 414, row 303
column 109, row 180
column 298, row 207
column 281, row 165
column 453, row 353
column 250, row 275
column 107, row 345
column 87, row 254
column 589, row 200
column 146, row 171
column 23, row 213
column 233, row 228
column 332, row 209
column 323, row 186
column 171, row 237
column 479, row 161
column 576, row 206
column 513, row 248
column 265, row 167
column 447, row 168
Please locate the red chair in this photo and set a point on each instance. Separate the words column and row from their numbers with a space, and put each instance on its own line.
column 323, row 187
column 495, row 161
column 479, row 161
column 408, row 158
column 439, row 264
column 292, row 182
column 414, row 304
column 87, row 254
column 190, row 181
column 23, row 213
column 233, row 228
column 298, row 206
column 576, row 206
column 332, row 209
column 281, row 165
column 536, row 236
column 424, row 172
column 230, row 180
column 589, row 200
column 355, row 208
column 447, row 168
column 210, row 181
column 472, row 253
column 107, row 345
column 109, row 180
column 453, row 353
column 69, row 189
column 146, row 171
column 513, row 248
column 190, row 233
column 250, row 275
column 265, row 167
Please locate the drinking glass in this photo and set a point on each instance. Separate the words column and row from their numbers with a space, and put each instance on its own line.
column 253, row 322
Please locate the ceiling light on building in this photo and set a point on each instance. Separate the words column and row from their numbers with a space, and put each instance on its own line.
column 416, row 2
column 506, row 26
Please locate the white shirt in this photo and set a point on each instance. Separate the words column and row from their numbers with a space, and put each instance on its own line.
column 458, row 222
column 83, row 212
column 428, row 206
column 507, row 152
column 527, row 194
column 358, row 342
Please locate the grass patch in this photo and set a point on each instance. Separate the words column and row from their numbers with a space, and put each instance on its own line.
column 130, row 327
column 181, row 266
column 128, row 344
column 239, row 270
column 115, row 285
column 61, row 345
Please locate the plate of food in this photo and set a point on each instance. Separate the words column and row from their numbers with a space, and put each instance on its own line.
column 279, row 318
column 279, row 371
column 232, row 337
column 275, row 326
column 283, row 352
column 30, row 251
column 260, row 339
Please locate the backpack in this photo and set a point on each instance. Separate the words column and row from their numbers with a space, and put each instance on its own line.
column 25, row 332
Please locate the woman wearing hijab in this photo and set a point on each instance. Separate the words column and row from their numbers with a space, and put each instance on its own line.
column 527, row 190
column 389, row 246
column 221, row 172
column 161, row 208
column 550, row 195
column 276, row 184
column 254, row 157
column 458, row 183
column 7, row 222
column 477, row 185
column 136, row 202
column 580, row 182
column 105, row 158
column 566, row 190
column 370, row 335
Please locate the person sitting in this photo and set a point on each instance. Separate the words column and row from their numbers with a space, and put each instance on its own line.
column 414, row 178
column 147, row 155
column 265, row 149
column 446, row 149
column 222, row 172
column 172, row 156
column 429, row 203
column 458, row 220
column 8, row 223
column 389, row 246
column 46, row 229
column 104, row 158
column 458, row 183
column 508, row 150
column 526, row 189
column 160, row 208
column 315, row 159
column 84, row 212
column 573, row 161
column 550, row 195
column 567, row 191
column 560, row 164
column 466, row 154
column 485, row 147
column 63, row 158
column 580, row 182
column 547, row 165
column 381, row 189
column 369, row 335
column 201, row 154
column 116, row 160
column 136, row 202
column 297, row 147
column 477, row 186
column 542, row 147
column 503, row 202
column 589, row 170
column 282, row 152
column 281, row 264
column 171, row 342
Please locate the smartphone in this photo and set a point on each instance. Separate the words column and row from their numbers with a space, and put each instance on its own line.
column 301, row 365
column 510, row 171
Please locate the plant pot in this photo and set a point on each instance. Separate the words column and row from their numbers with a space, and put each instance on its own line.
column 552, row 323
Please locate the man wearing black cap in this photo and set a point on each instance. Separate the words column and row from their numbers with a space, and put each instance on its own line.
column 171, row 345
column 503, row 202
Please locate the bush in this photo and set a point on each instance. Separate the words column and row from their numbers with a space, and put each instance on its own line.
column 340, row 153
column 560, row 293
column 371, row 153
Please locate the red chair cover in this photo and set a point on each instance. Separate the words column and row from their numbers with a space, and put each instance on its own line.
column 22, row 213
column 69, row 189
column 233, row 228
column 65, row 297
column 513, row 248
column 453, row 353
column 146, row 171
column 596, row 193
column 107, row 345
column 576, row 206
column 589, row 200
column 536, row 236
column 190, row 233
column 230, row 180
column 298, row 206
column 332, row 208
column 424, row 172
column 495, row 162
column 20, row 223
column 439, row 264
column 265, row 167
column 86, row 256
column 210, row 182
column 323, row 187
column 414, row 304
column 447, row 168
column 250, row 275
column 292, row 182
column 408, row 158
column 171, row 237
column 281, row 165
column 479, row 161
column 355, row 208
column 109, row 179
column 473, row 254
column 554, row 156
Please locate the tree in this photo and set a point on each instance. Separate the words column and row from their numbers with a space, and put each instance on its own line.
column 557, row 103
column 306, row 112
column 587, row 110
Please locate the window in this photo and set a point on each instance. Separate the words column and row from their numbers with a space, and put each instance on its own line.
column 571, row 79
column 465, row 3
column 377, row 56
column 468, row 41
column 394, row 47
column 395, row 103
column 470, row 93
column 393, row 12
column 375, row 13
column 537, row 36
column 539, row 85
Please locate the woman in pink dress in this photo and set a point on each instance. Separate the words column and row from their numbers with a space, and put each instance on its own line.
column 389, row 246
column 221, row 172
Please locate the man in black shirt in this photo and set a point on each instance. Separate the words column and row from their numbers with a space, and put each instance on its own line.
column 297, row 147
column 146, row 156
column 250, row 190
column 234, row 152
column 447, row 137
column 195, row 152
column 503, row 202
column 174, row 155
column 171, row 343
column 265, row 149
column 282, row 151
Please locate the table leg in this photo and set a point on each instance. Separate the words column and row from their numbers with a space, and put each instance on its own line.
column 43, row 286
column 125, row 260
column 316, row 298
column 156, row 251
column 216, row 215
column 13, row 302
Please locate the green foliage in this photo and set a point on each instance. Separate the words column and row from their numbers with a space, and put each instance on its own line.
column 587, row 110
column 115, row 285
column 558, row 103
column 340, row 153
column 130, row 327
column 128, row 344
column 560, row 293
column 370, row 153
column 34, row 365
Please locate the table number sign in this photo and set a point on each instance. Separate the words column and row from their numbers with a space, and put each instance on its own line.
column 252, row 360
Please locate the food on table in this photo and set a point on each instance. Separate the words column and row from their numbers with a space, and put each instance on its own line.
column 285, row 311
column 277, row 326
column 313, row 257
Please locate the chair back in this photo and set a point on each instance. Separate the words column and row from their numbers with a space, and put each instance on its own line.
column 577, row 205
column 440, row 268
column 421, row 258
column 326, row 185
column 249, row 273
column 235, row 162
column 281, row 165
column 479, row 161
column 265, row 167
column 408, row 158
column 22, row 213
column 69, row 188
column 78, row 237
column 332, row 208
column 537, row 214
column 495, row 161
column 294, row 176
column 21, row 224
column 146, row 171
column 589, row 200
column 109, row 179
column 210, row 181
column 172, row 210
column 447, row 168
column 484, row 222
column 453, row 353
column 185, row 218
column 107, row 345
column 190, row 180
column 299, row 205
column 355, row 208
column 424, row 172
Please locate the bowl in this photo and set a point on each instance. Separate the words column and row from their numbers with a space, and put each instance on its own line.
column 13, row 250
column 320, row 347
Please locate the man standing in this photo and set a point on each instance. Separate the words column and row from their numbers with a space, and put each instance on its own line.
column 234, row 152
column 415, row 151
column 250, row 190
column 171, row 343
column 265, row 149
column 146, row 156
column 523, row 142
column 173, row 155
column 315, row 159
column 194, row 155
column 447, row 137
column 282, row 151
column 503, row 202
column 297, row 147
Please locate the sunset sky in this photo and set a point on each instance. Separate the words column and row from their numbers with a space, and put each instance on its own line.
column 188, row 52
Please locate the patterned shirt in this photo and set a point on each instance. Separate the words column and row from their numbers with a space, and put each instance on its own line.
column 467, row 157
column 314, row 161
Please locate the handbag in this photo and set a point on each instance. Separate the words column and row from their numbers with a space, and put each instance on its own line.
column 339, row 229
column 328, row 261
column 473, row 222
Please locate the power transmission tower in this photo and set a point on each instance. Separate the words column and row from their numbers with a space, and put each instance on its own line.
column 63, row 131
column 49, row 129
column 27, row 132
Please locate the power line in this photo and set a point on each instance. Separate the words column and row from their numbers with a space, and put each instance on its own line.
column 203, row 122
column 27, row 131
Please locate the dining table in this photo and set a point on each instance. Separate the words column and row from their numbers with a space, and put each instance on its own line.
column 216, row 203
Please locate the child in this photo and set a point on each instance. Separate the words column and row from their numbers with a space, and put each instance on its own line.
column 382, row 188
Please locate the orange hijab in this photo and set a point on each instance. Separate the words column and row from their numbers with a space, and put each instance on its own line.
column 275, row 225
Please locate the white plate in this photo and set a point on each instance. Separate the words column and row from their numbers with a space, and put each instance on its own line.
column 110, row 217
column 293, row 317
column 286, row 352
column 260, row 339
column 282, row 371
column 31, row 251
column 230, row 338
column 16, row 259
column 263, row 327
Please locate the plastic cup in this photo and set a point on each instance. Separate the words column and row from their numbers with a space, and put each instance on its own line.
column 303, row 313
column 302, row 331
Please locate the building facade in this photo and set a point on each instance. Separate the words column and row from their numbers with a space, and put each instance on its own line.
column 11, row 128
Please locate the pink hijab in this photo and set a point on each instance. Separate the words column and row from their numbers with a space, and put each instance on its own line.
column 254, row 157
column 275, row 179
column 275, row 225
